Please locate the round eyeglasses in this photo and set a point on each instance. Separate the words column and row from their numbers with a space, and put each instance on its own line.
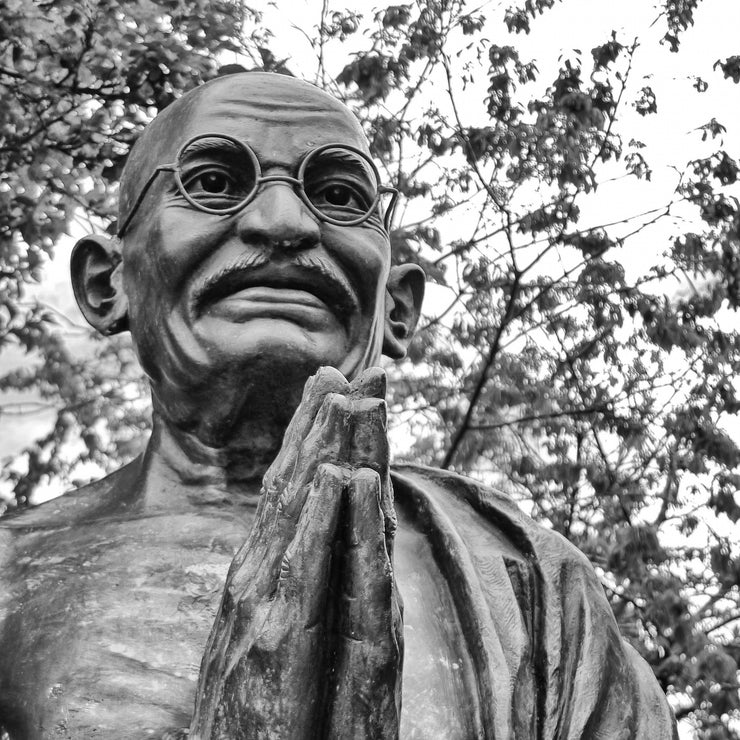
column 219, row 174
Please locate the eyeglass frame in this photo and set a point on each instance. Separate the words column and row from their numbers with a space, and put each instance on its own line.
column 260, row 179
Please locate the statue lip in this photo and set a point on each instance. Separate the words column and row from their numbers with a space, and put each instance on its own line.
column 311, row 283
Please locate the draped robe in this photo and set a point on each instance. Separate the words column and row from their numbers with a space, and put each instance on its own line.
column 547, row 655
column 105, row 610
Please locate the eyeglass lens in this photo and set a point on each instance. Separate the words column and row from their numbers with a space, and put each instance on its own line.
column 340, row 183
column 219, row 175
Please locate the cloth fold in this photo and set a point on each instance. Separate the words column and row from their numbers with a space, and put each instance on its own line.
column 549, row 660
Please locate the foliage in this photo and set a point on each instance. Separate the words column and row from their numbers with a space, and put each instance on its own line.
column 598, row 392
column 79, row 81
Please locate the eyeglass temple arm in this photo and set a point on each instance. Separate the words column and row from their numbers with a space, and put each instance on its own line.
column 142, row 194
column 389, row 211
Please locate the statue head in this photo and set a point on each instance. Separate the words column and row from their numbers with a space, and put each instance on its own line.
column 253, row 248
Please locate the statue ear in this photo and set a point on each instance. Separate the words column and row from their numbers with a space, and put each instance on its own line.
column 98, row 284
column 403, row 299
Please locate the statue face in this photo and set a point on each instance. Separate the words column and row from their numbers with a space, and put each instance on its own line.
column 268, row 289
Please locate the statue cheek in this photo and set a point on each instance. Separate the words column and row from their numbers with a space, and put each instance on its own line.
column 365, row 351
column 363, row 253
column 183, row 238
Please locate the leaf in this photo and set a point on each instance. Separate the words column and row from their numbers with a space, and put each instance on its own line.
column 646, row 103
column 607, row 53
column 730, row 68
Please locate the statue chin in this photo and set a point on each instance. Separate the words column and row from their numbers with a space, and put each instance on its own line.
column 209, row 377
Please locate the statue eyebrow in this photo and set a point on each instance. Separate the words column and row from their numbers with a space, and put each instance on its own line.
column 344, row 158
column 212, row 144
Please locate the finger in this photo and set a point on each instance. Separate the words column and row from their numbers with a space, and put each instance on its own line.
column 305, row 568
column 368, row 573
column 371, row 383
column 367, row 681
column 326, row 441
column 369, row 445
column 369, row 449
column 387, row 504
column 279, row 509
column 268, row 561
column 326, row 380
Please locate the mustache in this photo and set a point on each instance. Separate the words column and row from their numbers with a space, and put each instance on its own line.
column 313, row 273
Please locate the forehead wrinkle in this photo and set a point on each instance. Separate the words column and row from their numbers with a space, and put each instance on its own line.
column 288, row 118
column 265, row 92
column 286, row 142
column 298, row 104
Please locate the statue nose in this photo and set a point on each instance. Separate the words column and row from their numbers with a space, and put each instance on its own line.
column 278, row 217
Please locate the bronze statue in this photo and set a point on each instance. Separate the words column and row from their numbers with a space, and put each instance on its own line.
column 259, row 572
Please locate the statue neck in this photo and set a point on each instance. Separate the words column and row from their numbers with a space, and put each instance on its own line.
column 191, row 460
column 221, row 439
column 178, row 467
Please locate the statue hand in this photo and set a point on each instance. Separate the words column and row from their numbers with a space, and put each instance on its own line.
column 275, row 665
column 369, row 652
column 366, row 676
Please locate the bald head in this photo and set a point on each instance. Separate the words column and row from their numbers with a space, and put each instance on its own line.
column 214, row 106
column 267, row 291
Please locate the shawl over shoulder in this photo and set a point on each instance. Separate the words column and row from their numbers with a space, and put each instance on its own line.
column 548, row 658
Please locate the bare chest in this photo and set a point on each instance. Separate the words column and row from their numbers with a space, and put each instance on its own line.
column 108, row 624
column 109, row 621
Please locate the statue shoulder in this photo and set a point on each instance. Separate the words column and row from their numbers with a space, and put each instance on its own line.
column 488, row 522
column 7, row 558
column 522, row 572
column 460, row 497
column 107, row 496
column 6, row 553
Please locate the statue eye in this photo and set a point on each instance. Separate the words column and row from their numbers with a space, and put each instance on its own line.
column 338, row 195
column 214, row 182
column 341, row 183
column 210, row 182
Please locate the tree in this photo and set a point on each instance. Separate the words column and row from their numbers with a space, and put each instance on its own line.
column 79, row 82
column 598, row 394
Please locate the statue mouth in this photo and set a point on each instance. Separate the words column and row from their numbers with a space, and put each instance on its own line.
column 307, row 282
